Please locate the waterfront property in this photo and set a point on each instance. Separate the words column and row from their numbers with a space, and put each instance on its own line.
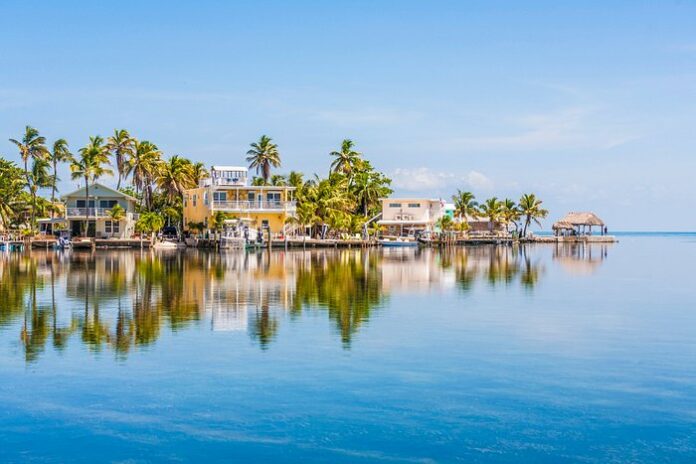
column 227, row 190
column 98, row 210
column 409, row 216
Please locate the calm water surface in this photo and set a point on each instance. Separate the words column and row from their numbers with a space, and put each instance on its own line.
column 484, row 354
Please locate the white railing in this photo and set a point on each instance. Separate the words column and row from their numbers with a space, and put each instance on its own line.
column 254, row 205
column 94, row 212
column 222, row 181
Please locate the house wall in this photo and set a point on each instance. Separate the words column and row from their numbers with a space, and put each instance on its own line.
column 195, row 209
column 204, row 208
column 98, row 193
column 415, row 209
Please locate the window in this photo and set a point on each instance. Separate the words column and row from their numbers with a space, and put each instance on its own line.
column 273, row 197
column 414, row 205
column 264, row 224
column 395, row 205
column 251, row 196
column 205, row 198
column 194, row 200
column 219, row 196
column 81, row 203
column 112, row 227
column 107, row 203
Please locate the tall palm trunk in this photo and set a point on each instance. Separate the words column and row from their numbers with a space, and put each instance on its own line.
column 53, row 189
column 33, row 195
column 87, row 207
column 119, row 168
column 266, row 172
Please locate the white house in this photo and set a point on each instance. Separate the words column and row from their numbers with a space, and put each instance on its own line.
column 408, row 216
column 98, row 207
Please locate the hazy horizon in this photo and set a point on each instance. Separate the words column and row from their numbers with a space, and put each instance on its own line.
column 587, row 106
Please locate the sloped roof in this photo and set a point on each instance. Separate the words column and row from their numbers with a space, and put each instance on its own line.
column 574, row 219
column 97, row 184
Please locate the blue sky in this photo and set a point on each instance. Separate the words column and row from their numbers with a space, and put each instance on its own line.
column 591, row 105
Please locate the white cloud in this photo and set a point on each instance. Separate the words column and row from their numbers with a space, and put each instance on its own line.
column 428, row 180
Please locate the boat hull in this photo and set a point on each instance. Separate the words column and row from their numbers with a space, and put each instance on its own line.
column 397, row 244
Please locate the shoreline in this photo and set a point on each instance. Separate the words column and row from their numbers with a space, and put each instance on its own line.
column 211, row 244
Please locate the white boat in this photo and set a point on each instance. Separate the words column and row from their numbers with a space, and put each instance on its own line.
column 168, row 245
column 237, row 234
column 398, row 243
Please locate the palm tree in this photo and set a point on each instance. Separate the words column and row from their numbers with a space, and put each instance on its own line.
column 465, row 205
column 120, row 145
column 174, row 177
column 60, row 154
column 199, row 172
column 40, row 179
column 263, row 155
column 446, row 224
column 345, row 160
column 530, row 208
column 116, row 214
column 367, row 188
column 144, row 165
column 31, row 146
column 90, row 166
column 149, row 223
column 295, row 179
column 278, row 180
column 12, row 183
column 492, row 209
column 510, row 214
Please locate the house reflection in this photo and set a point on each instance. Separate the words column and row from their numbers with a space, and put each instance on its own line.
column 121, row 300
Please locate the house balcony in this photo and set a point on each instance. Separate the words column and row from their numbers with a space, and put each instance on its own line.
column 254, row 206
column 94, row 213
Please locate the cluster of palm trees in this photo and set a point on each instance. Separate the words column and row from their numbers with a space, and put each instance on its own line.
column 158, row 183
column 344, row 202
column 504, row 213
column 339, row 204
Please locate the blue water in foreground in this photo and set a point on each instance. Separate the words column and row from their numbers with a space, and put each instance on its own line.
column 486, row 354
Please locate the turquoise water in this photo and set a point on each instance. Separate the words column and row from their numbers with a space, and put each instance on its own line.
column 486, row 354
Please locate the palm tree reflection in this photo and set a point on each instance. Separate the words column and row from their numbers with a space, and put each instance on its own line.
column 122, row 301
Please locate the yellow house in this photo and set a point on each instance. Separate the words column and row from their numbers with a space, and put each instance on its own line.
column 227, row 190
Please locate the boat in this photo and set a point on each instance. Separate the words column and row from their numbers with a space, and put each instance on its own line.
column 236, row 234
column 168, row 245
column 398, row 243
column 64, row 243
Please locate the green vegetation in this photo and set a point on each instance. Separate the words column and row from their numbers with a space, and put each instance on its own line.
column 149, row 223
column 90, row 166
column 339, row 205
column 500, row 213
column 262, row 156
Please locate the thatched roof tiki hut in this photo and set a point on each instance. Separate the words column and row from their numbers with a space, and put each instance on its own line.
column 578, row 224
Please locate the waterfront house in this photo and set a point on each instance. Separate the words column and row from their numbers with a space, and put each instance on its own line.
column 227, row 189
column 408, row 216
column 98, row 207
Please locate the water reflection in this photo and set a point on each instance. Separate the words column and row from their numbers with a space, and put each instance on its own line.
column 119, row 301
column 580, row 258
